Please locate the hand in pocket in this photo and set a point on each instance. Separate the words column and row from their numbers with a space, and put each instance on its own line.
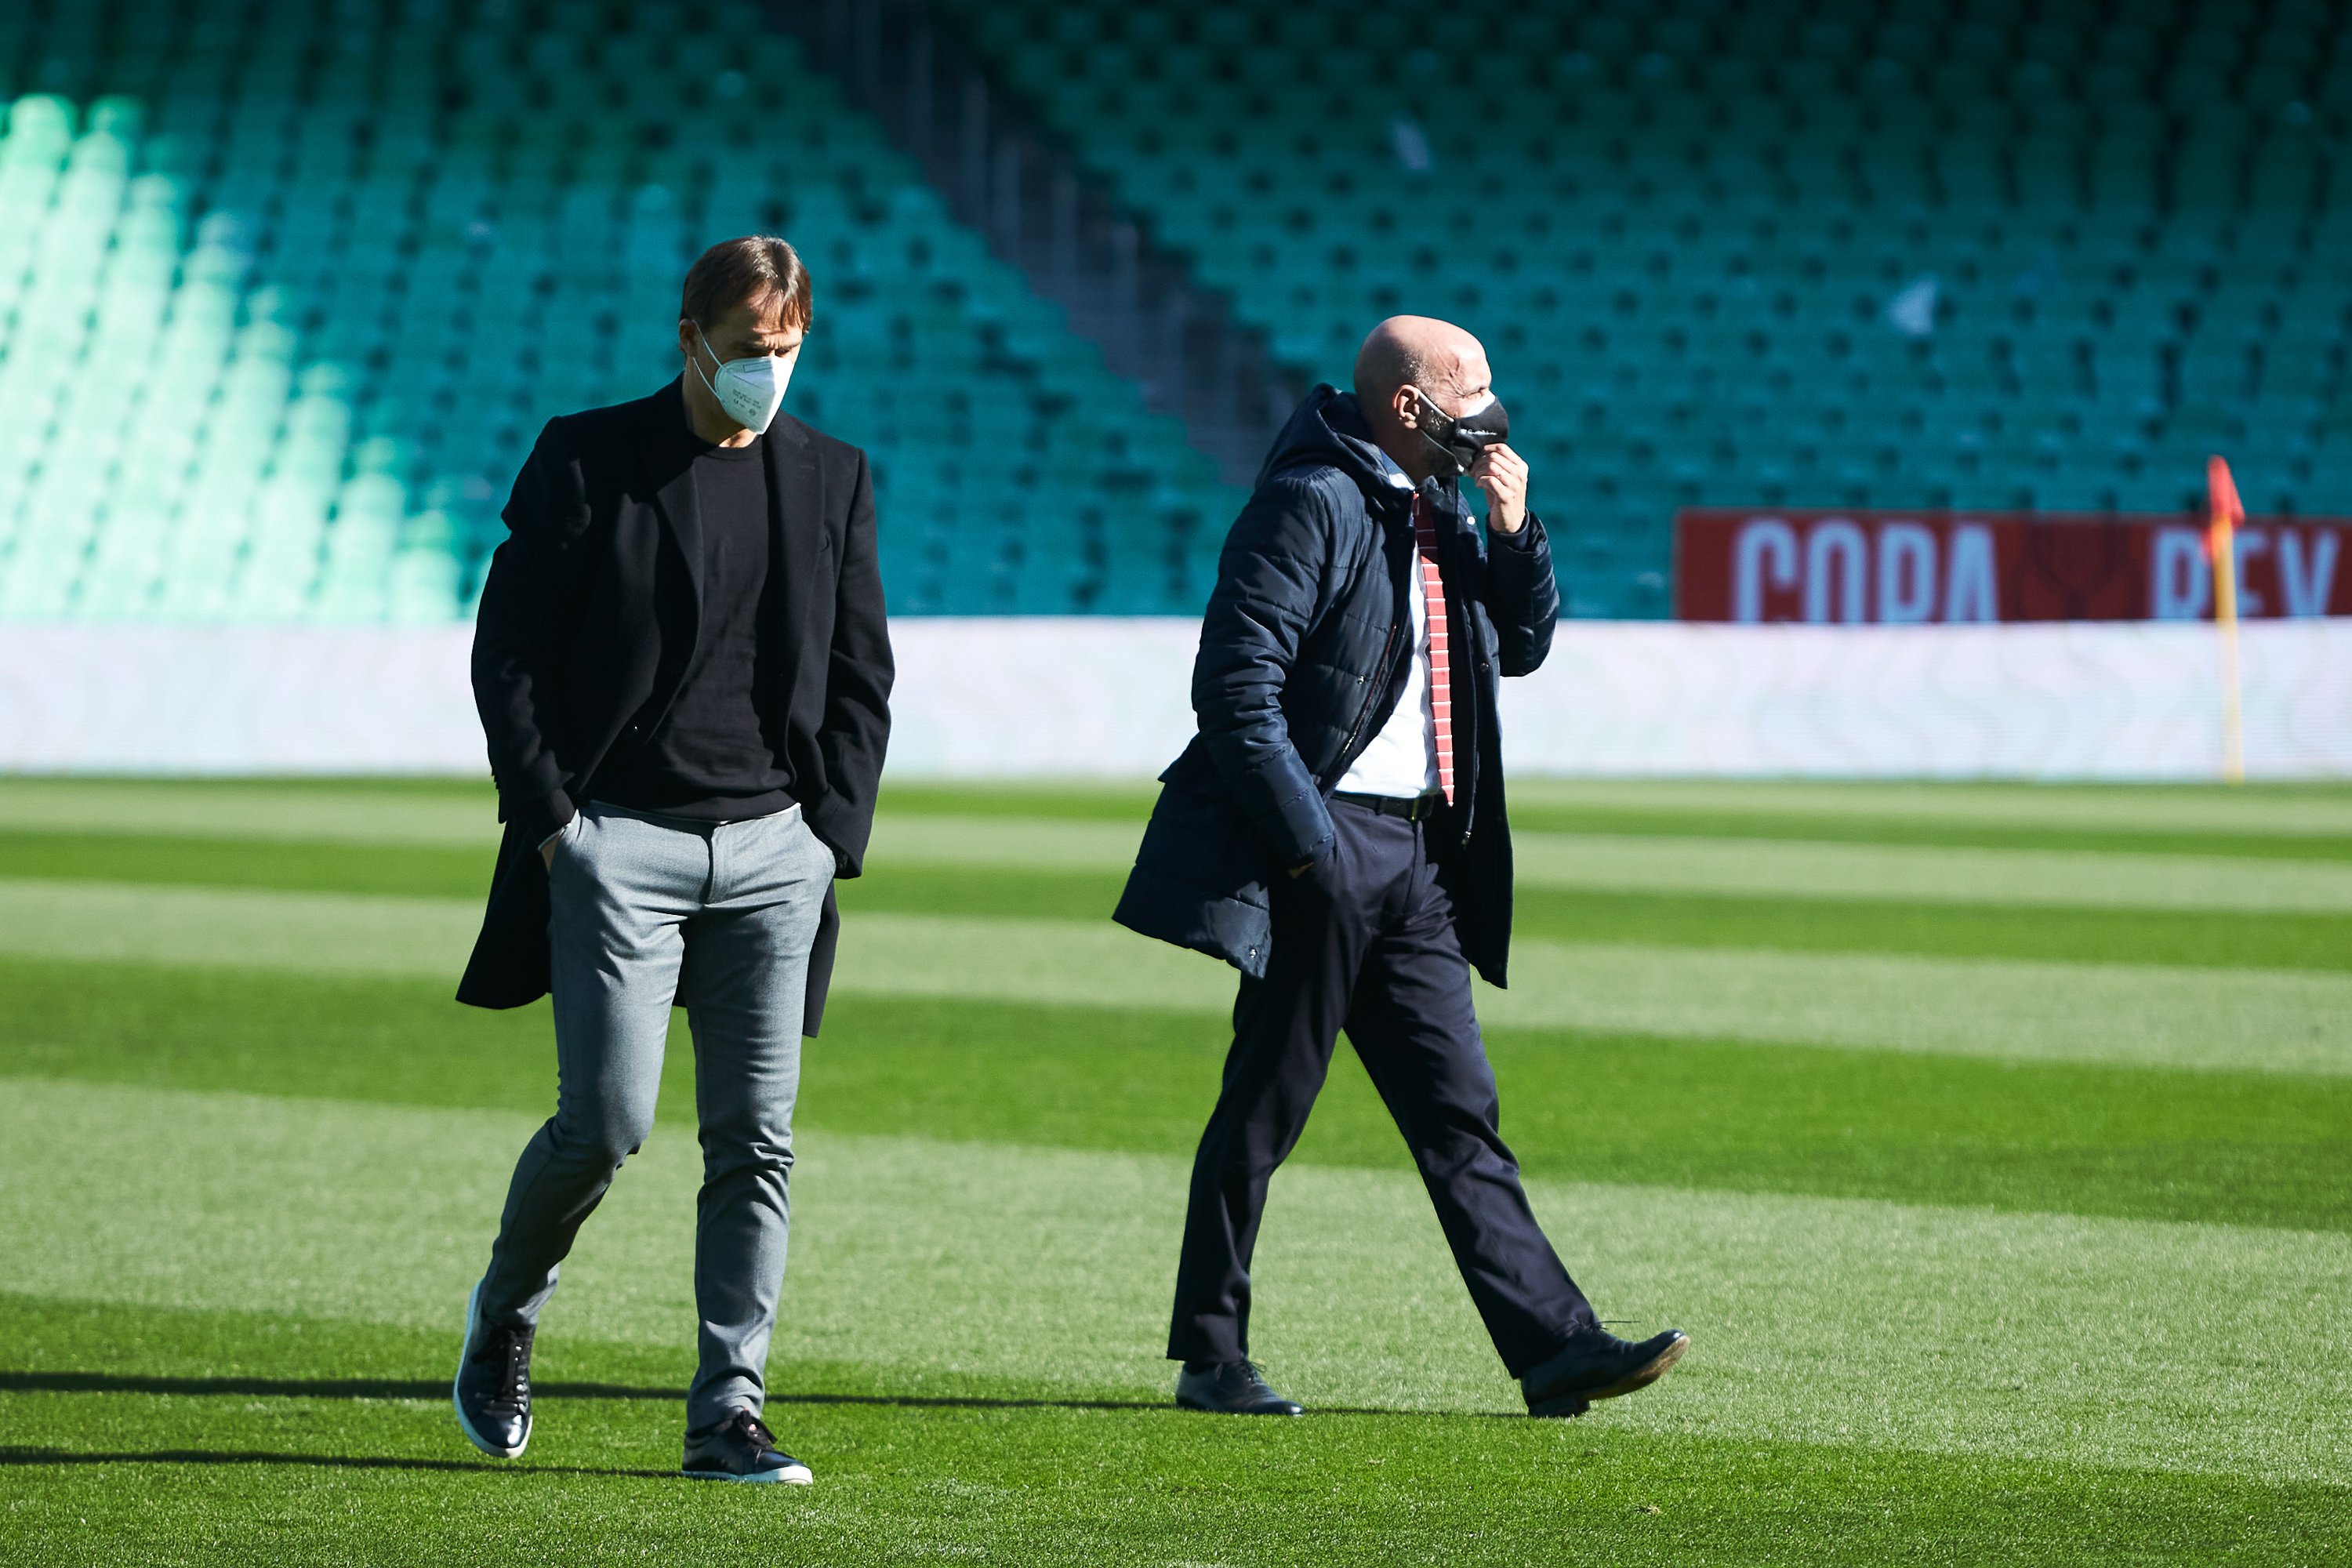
column 547, row 846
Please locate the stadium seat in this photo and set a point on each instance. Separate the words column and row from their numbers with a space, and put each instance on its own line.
column 360, row 278
column 1684, row 230
column 2088, row 194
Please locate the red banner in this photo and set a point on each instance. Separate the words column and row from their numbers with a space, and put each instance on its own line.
column 1855, row 568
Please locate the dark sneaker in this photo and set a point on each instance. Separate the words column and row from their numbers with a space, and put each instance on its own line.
column 1597, row 1365
column 740, row 1448
column 1231, row 1388
column 493, row 1389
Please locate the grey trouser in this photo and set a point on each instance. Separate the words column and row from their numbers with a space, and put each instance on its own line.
column 720, row 918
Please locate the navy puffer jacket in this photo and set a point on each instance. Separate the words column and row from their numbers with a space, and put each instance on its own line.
column 1303, row 658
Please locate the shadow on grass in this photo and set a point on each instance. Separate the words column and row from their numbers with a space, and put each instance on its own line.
column 411, row 1388
column 13, row 1454
column 400, row 1388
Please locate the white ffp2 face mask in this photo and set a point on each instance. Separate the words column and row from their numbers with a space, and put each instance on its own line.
column 751, row 390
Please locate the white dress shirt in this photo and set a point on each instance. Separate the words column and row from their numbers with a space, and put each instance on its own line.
column 1402, row 760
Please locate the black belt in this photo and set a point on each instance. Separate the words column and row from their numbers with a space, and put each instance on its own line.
column 1411, row 809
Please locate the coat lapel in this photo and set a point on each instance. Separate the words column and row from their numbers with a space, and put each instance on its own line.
column 668, row 447
column 678, row 508
column 803, row 544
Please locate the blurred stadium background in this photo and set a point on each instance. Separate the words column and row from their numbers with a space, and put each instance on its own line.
column 290, row 285
column 287, row 287
column 1991, row 1140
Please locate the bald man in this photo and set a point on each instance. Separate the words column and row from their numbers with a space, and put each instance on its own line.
column 1335, row 832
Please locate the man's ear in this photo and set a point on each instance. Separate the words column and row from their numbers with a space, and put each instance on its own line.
column 1405, row 405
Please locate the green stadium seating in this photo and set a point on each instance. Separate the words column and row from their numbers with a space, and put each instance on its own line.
column 287, row 287
column 1678, row 227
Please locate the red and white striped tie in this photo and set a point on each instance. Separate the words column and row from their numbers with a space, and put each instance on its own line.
column 1432, row 598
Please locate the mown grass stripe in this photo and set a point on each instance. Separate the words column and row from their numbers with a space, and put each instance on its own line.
column 985, row 848
column 2129, row 1141
column 2296, row 809
column 460, row 817
column 2247, row 1020
column 2176, row 938
column 2252, row 1020
column 1625, row 863
column 403, row 870
column 1943, row 1331
column 2187, row 937
column 1042, row 842
column 451, row 812
column 2183, row 938
column 1928, row 833
column 2244, row 1019
column 2254, row 822
column 305, row 932
column 2053, row 877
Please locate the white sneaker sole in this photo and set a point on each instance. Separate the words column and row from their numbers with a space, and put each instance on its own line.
column 464, row 1355
column 790, row 1476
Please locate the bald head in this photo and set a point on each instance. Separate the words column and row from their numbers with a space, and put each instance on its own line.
column 1445, row 364
column 1415, row 351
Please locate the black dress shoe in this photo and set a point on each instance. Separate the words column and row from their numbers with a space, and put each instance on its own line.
column 1597, row 1365
column 1231, row 1388
column 740, row 1448
column 493, row 1389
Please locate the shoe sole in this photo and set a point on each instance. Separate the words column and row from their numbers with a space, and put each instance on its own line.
column 1184, row 1403
column 791, row 1476
column 464, row 1355
column 1640, row 1377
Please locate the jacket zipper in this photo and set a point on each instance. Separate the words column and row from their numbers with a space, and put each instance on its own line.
column 1347, row 747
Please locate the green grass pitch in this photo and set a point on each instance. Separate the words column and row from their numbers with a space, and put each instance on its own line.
column 1994, row 1145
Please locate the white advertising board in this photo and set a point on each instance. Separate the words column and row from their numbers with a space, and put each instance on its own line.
column 1101, row 697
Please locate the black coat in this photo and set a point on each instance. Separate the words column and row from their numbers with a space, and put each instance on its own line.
column 1303, row 658
column 604, row 555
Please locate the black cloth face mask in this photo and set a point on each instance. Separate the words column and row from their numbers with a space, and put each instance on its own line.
column 1453, row 441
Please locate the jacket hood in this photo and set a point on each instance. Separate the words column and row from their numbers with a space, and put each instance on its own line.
column 1329, row 428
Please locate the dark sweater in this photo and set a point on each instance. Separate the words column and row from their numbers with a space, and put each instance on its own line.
column 570, row 633
column 706, row 757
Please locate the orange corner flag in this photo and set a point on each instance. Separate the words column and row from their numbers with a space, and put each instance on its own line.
column 2222, row 491
column 2221, row 545
column 2221, row 537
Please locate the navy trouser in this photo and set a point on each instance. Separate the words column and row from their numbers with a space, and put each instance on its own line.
column 1364, row 941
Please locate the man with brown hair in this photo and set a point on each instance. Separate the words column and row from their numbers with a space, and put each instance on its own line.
column 683, row 669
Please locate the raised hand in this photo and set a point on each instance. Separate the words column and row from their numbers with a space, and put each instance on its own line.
column 1503, row 475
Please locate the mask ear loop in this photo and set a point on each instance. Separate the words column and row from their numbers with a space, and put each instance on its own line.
column 1428, row 413
column 705, row 340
